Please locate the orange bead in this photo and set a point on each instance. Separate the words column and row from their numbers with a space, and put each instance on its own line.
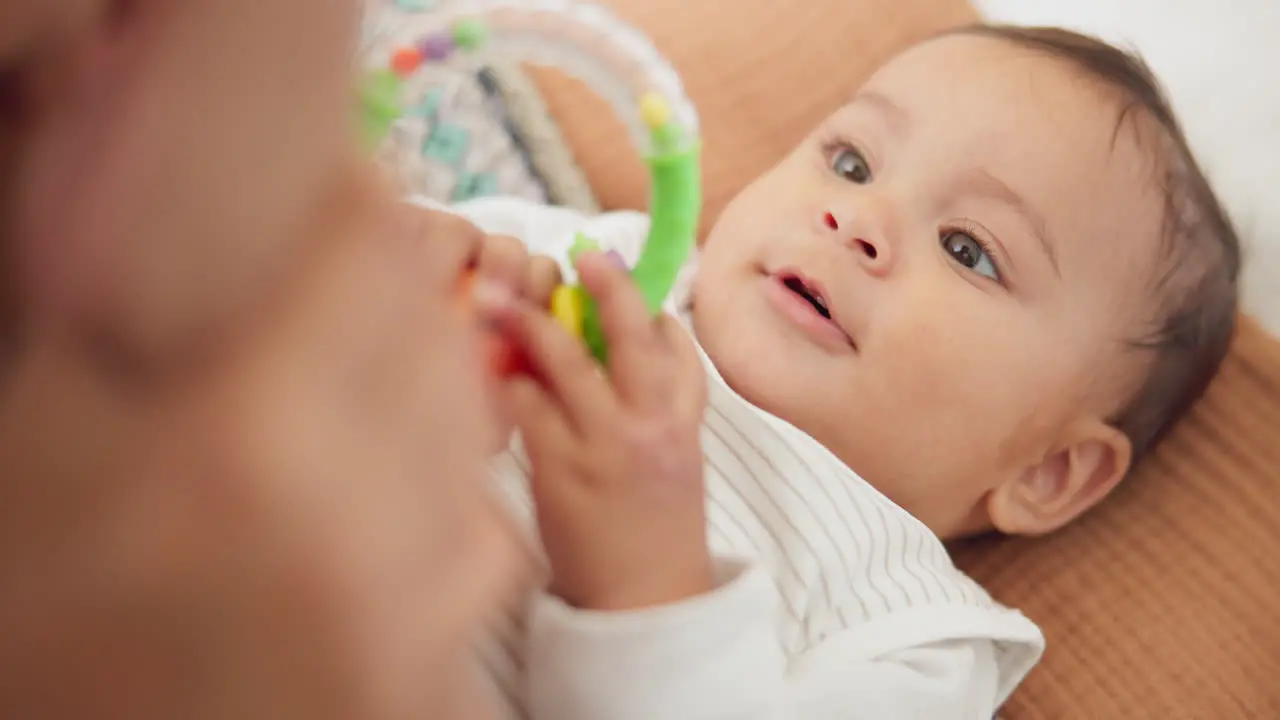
column 406, row 60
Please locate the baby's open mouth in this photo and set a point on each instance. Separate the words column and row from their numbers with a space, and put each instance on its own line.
column 806, row 302
column 813, row 296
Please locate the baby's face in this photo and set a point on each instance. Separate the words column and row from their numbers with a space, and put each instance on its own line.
column 939, row 282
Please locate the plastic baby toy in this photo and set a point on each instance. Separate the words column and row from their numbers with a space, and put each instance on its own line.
column 614, row 60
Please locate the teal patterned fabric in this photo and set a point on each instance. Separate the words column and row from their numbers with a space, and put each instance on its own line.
column 455, row 139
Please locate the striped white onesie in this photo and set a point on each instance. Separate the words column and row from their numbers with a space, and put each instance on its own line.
column 833, row 603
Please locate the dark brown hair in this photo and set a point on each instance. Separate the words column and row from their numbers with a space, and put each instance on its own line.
column 1197, row 278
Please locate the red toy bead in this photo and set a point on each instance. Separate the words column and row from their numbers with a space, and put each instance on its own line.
column 406, row 60
column 503, row 358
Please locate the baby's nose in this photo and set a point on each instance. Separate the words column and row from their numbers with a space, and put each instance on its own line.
column 872, row 250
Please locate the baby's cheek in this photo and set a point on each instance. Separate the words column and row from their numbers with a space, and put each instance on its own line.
column 972, row 382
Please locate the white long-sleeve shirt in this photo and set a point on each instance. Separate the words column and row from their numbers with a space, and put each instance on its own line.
column 833, row 602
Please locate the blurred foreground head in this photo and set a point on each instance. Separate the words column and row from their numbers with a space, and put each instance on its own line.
column 137, row 134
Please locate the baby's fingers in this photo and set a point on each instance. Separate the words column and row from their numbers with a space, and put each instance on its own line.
column 542, row 424
column 541, row 278
column 504, row 260
column 637, row 366
column 559, row 359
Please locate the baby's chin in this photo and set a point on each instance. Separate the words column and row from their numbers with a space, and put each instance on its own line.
column 776, row 374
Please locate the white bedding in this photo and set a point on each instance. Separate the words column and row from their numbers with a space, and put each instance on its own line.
column 1220, row 62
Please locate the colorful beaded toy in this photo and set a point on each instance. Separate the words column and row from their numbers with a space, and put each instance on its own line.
column 588, row 42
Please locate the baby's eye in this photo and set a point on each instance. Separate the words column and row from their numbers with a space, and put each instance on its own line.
column 850, row 165
column 969, row 252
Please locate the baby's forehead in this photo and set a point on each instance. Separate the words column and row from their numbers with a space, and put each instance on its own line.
column 1078, row 150
column 993, row 71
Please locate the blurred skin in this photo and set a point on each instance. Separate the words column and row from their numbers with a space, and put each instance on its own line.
column 235, row 486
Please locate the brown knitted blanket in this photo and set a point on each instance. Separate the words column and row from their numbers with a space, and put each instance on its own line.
column 1163, row 602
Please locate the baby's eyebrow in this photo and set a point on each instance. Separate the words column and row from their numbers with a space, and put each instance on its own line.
column 980, row 181
column 895, row 116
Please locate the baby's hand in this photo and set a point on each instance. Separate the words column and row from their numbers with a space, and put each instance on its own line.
column 505, row 261
column 617, row 463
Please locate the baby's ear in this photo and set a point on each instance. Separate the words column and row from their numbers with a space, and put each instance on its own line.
column 1072, row 478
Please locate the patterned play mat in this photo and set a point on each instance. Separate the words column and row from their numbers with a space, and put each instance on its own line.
column 464, row 134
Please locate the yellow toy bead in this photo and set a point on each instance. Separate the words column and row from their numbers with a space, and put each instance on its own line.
column 569, row 308
column 654, row 110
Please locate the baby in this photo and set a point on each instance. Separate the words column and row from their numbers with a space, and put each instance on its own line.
column 969, row 301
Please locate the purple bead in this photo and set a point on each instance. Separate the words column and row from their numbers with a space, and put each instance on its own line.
column 438, row 47
column 615, row 258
